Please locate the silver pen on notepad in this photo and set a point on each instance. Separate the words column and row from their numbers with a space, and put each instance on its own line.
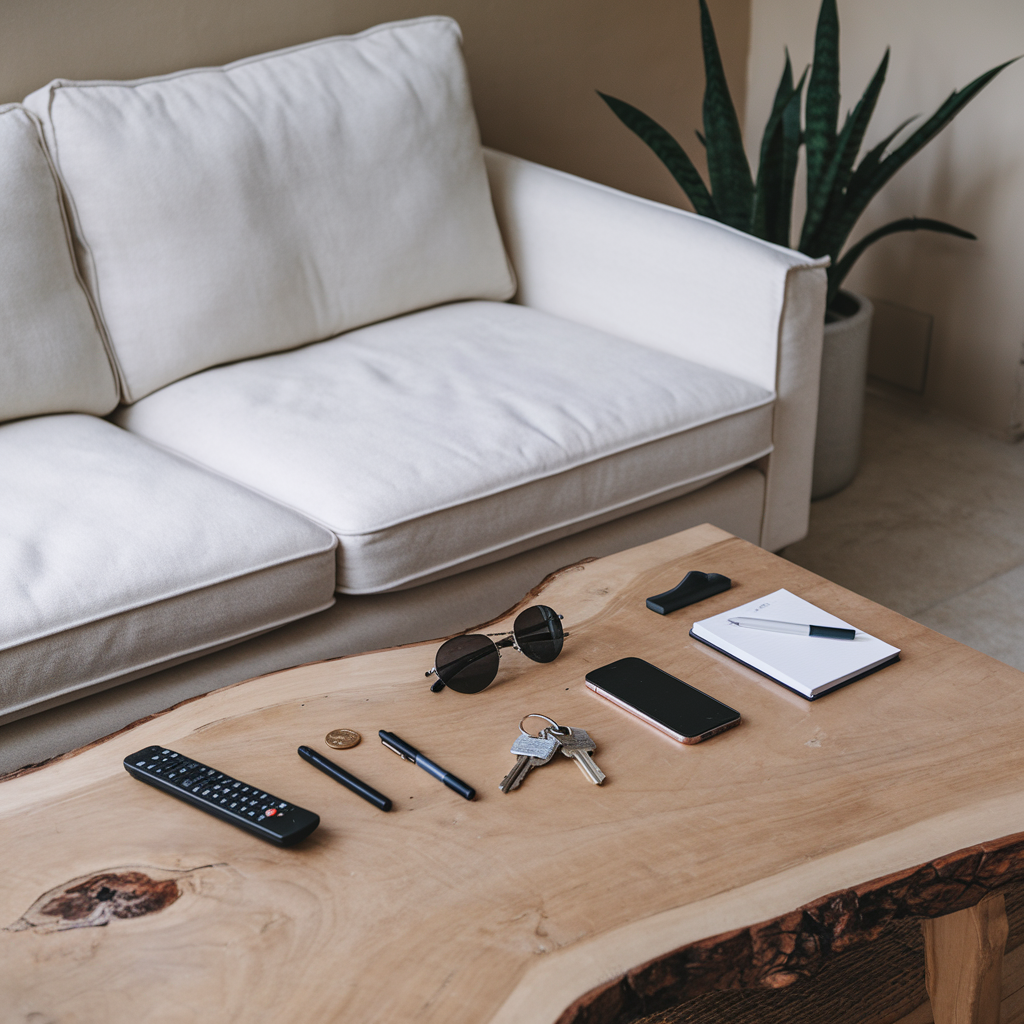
column 797, row 628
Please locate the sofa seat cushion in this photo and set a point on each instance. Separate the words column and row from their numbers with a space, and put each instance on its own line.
column 455, row 436
column 119, row 558
column 228, row 212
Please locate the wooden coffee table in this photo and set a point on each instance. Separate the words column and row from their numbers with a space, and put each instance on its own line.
column 751, row 859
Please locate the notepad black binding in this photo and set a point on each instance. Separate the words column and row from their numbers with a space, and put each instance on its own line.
column 779, row 682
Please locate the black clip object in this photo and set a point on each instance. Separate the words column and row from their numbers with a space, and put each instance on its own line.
column 696, row 586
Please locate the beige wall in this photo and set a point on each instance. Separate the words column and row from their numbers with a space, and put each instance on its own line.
column 534, row 63
column 972, row 175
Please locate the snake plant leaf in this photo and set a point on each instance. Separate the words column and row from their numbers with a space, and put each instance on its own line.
column 728, row 170
column 822, row 112
column 863, row 188
column 700, row 138
column 873, row 157
column 840, row 228
column 768, row 185
column 792, row 140
column 957, row 100
column 773, row 191
column 828, row 196
column 668, row 151
column 838, row 271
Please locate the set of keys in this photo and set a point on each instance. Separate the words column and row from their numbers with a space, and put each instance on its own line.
column 533, row 751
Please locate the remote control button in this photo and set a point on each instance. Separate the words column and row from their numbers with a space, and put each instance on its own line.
column 271, row 812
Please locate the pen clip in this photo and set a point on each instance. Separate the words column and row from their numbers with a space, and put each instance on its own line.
column 395, row 750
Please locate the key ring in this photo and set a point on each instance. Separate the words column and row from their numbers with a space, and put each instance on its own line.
column 546, row 719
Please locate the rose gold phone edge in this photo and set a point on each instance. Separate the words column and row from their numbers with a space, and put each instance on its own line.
column 660, row 726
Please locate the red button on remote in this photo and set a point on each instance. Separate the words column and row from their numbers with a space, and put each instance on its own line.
column 271, row 811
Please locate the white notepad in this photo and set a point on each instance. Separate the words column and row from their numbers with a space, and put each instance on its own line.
column 808, row 665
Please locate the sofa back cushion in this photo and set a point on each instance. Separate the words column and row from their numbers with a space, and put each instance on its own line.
column 229, row 212
column 52, row 356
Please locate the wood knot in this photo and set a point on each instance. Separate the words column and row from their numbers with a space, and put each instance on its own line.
column 102, row 897
column 92, row 901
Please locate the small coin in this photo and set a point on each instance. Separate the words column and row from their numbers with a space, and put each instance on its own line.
column 342, row 739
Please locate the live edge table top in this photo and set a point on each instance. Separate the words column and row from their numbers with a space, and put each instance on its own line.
column 511, row 907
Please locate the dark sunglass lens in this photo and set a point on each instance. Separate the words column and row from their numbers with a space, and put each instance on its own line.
column 538, row 632
column 467, row 664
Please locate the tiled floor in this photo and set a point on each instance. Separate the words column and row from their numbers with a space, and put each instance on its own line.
column 933, row 527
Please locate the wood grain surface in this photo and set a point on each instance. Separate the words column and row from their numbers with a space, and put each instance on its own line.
column 512, row 907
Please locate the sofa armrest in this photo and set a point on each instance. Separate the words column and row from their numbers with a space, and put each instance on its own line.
column 682, row 284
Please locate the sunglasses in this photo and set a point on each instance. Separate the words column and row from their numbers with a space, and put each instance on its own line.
column 468, row 664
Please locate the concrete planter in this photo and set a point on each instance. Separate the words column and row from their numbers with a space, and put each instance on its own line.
column 844, row 367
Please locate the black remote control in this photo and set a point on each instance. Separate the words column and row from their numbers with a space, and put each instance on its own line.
column 248, row 807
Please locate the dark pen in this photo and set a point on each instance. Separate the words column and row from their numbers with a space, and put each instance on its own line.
column 348, row 780
column 410, row 753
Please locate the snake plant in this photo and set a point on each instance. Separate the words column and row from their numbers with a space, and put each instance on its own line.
column 838, row 188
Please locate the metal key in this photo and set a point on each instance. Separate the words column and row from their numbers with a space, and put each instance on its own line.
column 531, row 752
column 577, row 744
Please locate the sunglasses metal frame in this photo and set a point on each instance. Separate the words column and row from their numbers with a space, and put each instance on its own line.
column 509, row 639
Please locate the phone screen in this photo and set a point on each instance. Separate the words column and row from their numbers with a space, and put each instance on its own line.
column 684, row 712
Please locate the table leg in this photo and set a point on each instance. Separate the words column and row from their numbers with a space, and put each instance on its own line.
column 964, row 962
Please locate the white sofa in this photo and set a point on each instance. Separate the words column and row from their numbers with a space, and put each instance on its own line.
column 280, row 344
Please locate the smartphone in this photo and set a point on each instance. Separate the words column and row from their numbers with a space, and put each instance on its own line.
column 679, row 710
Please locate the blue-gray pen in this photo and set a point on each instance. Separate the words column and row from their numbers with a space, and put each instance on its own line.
column 829, row 632
column 410, row 753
